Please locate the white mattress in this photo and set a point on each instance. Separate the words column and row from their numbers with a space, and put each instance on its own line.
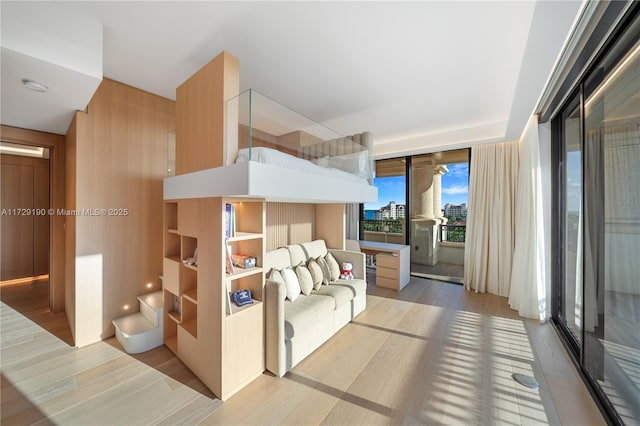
column 280, row 159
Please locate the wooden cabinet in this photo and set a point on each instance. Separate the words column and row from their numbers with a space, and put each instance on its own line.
column 224, row 348
column 392, row 263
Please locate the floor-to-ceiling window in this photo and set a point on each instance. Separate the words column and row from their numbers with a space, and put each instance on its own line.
column 384, row 221
column 422, row 202
column 598, row 240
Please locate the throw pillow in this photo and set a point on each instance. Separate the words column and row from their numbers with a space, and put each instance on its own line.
column 326, row 273
column 304, row 278
column 316, row 273
column 334, row 267
column 292, row 284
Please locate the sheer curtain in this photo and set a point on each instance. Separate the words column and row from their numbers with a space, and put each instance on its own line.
column 530, row 278
column 352, row 213
column 490, row 235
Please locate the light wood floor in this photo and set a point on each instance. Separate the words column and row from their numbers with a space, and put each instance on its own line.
column 434, row 354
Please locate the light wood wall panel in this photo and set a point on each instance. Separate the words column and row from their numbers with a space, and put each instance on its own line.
column 56, row 145
column 200, row 118
column 70, row 221
column 41, row 222
column 17, row 229
column 289, row 223
column 331, row 224
column 120, row 157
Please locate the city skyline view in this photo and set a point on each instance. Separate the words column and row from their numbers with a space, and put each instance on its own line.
column 455, row 188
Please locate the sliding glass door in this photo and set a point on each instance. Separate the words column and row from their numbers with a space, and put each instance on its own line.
column 612, row 231
column 439, row 196
column 570, row 310
column 598, row 239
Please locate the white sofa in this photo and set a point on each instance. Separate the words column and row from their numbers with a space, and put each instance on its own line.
column 295, row 329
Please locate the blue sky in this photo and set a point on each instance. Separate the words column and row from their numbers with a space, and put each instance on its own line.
column 455, row 187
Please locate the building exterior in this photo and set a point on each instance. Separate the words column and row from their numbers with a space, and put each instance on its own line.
column 391, row 211
column 451, row 210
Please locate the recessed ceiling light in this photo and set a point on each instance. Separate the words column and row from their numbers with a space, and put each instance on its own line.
column 35, row 85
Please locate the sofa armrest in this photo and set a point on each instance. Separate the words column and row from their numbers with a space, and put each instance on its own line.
column 274, row 328
column 356, row 258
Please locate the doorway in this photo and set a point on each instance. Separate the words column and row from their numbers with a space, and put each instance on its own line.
column 439, row 197
column 25, row 203
column 33, row 242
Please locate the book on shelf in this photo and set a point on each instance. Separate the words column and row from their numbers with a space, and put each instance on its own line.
column 228, row 298
column 229, row 220
column 229, row 267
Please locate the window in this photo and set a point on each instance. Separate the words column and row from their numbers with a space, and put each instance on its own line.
column 598, row 237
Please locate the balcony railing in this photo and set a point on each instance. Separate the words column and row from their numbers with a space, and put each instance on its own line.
column 453, row 233
column 388, row 226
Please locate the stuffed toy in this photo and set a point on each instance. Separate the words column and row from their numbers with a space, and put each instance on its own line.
column 346, row 273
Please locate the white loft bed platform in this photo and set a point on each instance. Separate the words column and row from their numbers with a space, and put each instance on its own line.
column 258, row 180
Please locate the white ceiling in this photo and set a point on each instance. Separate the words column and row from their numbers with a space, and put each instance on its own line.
column 422, row 76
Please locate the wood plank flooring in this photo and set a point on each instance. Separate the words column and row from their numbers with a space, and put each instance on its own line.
column 433, row 354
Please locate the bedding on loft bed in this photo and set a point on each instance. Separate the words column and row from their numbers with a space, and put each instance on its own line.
column 322, row 167
column 348, row 158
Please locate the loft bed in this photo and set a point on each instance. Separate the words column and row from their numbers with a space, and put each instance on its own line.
column 276, row 154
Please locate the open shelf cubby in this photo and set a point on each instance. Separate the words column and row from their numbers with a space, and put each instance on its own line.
column 189, row 246
column 171, row 216
column 189, row 317
column 171, row 320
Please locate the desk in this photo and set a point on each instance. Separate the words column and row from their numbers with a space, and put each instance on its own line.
column 392, row 263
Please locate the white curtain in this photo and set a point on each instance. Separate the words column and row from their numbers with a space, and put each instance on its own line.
column 530, row 277
column 490, row 235
column 352, row 213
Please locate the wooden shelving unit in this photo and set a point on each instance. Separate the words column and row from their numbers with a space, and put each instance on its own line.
column 225, row 352
column 229, row 352
column 243, row 334
column 180, row 280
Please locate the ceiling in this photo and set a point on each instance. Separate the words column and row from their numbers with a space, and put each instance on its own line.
column 422, row 76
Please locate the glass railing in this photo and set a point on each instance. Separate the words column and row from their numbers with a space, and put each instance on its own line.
column 257, row 127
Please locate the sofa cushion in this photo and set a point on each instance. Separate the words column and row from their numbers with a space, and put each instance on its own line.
column 356, row 286
column 316, row 273
column 326, row 273
column 315, row 248
column 292, row 283
column 306, row 312
column 276, row 259
column 334, row 267
column 305, row 280
column 340, row 293
column 296, row 255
